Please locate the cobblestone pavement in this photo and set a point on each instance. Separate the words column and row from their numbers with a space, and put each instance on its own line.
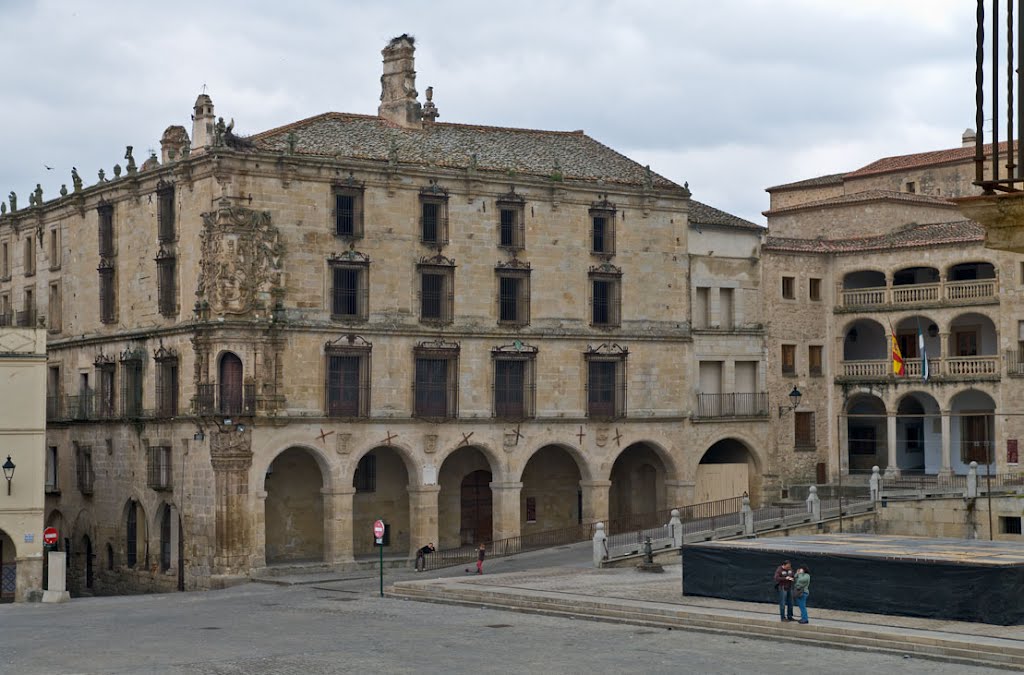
column 342, row 627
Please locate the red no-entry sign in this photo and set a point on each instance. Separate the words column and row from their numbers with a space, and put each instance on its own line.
column 378, row 530
column 50, row 535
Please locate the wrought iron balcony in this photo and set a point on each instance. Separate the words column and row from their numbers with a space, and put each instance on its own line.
column 710, row 406
column 225, row 399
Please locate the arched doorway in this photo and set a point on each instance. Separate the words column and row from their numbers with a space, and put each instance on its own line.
column 465, row 506
column 550, row 498
column 866, row 433
column 918, row 434
column 87, row 549
column 638, row 483
column 8, row 568
column 294, row 509
column 136, row 538
column 972, row 431
column 230, row 384
column 165, row 538
column 727, row 469
column 381, row 480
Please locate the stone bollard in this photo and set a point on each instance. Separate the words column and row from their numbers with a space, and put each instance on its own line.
column 876, row 484
column 747, row 517
column 814, row 504
column 676, row 526
column 600, row 545
column 972, row 481
column 56, row 590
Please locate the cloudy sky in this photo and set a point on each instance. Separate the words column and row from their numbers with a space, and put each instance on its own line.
column 732, row 95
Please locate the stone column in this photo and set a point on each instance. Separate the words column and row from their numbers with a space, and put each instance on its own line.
column 595, row 500
column 945, row 351
column 338, row 524
column 175, row 535
column 947, row 462
column 844, row 445
column 423, row 519
column 231, row 459
column 506, row 509
column 892, row 469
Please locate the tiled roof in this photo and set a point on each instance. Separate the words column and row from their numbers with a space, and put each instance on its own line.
column 913, row 236
column 526, row 151
column 921, row 159
column 819, row 181
column 702, row 214
column 865, row 196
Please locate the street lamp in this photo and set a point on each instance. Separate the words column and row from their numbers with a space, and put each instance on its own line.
column 794, row 399
column 9, row 473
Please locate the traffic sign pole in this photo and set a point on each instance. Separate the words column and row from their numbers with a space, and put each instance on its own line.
column 378, row 535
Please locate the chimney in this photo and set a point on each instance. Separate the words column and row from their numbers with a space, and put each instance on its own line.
column 202, row 124
column 968, row 139
column 398, row 102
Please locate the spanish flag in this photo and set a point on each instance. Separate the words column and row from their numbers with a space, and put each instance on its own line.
column 897, row 356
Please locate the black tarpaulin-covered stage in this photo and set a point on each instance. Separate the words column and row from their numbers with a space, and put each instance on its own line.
column 958, row 579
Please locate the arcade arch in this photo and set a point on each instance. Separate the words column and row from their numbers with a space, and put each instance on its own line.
column 8, row 568
column 294, row 508
column 465, row 504
column 551, row 496
column 381, row 480
column 866, row 433
column 727, row 469
column 637, row 482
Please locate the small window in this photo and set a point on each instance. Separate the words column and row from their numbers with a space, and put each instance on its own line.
column 814, row 289
column 434, row 217
column 55, row 249
column 511, row 223
column 166, row 230
column 108, row 305
column 105, row 215
column 814, row 359
column 531, row 509
column 349, row 291
column 911, row 186
column 513, row 297
column 605, row 296
column 28, row 315
column 83, row 469
column 348, row 212
column 437, row 290
column 365, row 479
column 602, row 232
column 1010, row 524
column 803, row 430
column 789, row 288
column 436, row 383
column 159, row 467
column 788, row 359
column 30, row 256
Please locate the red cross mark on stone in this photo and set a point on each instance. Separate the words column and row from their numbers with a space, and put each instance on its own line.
column 324, row 434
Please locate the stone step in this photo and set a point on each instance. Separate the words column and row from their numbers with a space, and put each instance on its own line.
column 993, row 652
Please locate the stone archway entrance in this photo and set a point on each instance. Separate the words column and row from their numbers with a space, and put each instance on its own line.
column 465, row 507
column 294, row 509
column 8, row 568
column 381, row 480
column 727, row 470
column 550, row 498
column 87, row 548
column 638, row 483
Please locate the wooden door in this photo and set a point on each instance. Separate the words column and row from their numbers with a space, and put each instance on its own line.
column 477, row 507
column 230, row 384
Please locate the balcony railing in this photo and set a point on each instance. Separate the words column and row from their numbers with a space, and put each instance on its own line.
column 966, row 292
column 222, row 399
column 949, row 366
column 753, row 404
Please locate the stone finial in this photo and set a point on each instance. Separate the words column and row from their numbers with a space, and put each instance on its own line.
column 63, row 190
column 398, row 96
column 117, row 171
column 102, row 175
column 430, row 113
column 173, row 143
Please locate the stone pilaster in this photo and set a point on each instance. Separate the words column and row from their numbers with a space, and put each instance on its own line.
column 423, row 522
column 679, row 492
column 231, row 459
column 946, row 466
column 506, row 509
column 337, row 524
column 892, row 469
column 595, row 500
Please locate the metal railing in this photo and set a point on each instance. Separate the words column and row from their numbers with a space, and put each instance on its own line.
column 221, row 399
column 732, row 405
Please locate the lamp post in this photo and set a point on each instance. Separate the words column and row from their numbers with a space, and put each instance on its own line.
column 9, row 473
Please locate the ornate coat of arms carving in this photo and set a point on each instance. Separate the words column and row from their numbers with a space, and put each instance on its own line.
column 241, row 259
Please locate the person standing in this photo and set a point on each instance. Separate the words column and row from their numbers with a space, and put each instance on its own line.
column 801, row 590
column 421, row 557
column 480, row 554
column 784, row 587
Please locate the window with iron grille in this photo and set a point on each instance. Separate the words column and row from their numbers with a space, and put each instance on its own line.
column 1010, row 525
column 131, row 384
column 105, row 392
column 436, row 383
column 514, row 385
column 814, row 289
column 165, row 539
column 167, row 386
column 158, row 467
column 348, row 212
column 105, row 214
column 131, row 534
column 513, row 296
column 789, row 287
column 84, row 475
column 30, row 256
column 365, row 478
column 437, row 290
column 165, row 212
column 605, row 298
column 349, row 291
column 511, row 223
column 434, row 220
column 531, row 509
column 167, row 283
column 803, row 429
column 602, row 230
column 606, row 382
column 347, row 389
column 108, row 306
